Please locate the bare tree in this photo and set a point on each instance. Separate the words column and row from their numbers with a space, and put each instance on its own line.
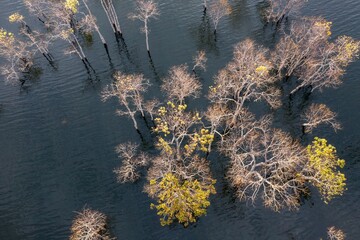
column 246, row 77
column 307, row 54
column 131, row 161
column 145, row 9
column 218, row 10
column 90, row 22
column 39, row 41
column 327, row 67
column 199, row 61
column 278, row 9
column 128, row 89
column 335, row 234
column 180, row 84
column 109, row 9
column 269, row 164
column 318, row 114
column 304, row 39
column 90, row 225
column 264, row 163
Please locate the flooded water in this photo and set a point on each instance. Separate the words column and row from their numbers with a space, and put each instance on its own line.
column 57, row 138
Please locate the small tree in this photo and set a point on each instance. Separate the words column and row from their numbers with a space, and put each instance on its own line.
column 278, row 9
column 335, row 234
column 145, row 9
column 90, row 225
column 218, row 10
column 199, row 61
column 317, row 114
column 128, row 88
column 180, row 84
column 131, row 161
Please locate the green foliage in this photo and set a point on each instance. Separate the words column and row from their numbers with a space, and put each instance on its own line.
column 324, row 163
column 183, row 201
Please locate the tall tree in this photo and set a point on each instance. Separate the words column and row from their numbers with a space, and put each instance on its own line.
column 145, row 9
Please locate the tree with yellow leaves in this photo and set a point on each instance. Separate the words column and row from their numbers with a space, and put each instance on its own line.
column 180, row 200
column 18, row 57
column 322, row 169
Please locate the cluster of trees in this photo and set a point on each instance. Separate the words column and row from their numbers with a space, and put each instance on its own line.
column 64, row 20
column 265, row 163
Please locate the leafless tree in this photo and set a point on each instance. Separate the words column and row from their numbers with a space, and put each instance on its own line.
column 217, row 10
column 335, row 234
column 111, row 14
column 264, row 163
column 278, row 9
column 150, row 107
column 318, row 114
column 200, row 61
column 145, row 9
column 327, row 67
column 180, row 84
column 89, row 21
column 128, row 89
column 90, row 225
column 307, row 54
column 303, row 40
column 246, row 77
column 131, row 161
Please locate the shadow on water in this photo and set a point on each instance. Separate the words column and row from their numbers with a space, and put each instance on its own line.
column 204, row 35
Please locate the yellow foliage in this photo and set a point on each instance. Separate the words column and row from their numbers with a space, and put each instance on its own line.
column 16, row 17
column 261, row 70
column 163, row 145
column 324, row 162
column 204, row 139
column 6, row 38
column 183, row 201
column 348, row 49
column 72, row 5
column 325, row 25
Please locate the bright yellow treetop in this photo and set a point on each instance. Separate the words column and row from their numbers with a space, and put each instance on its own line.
column 183, row 201
column 324, row 164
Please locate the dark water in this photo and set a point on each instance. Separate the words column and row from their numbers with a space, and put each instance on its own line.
column 57, row 138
